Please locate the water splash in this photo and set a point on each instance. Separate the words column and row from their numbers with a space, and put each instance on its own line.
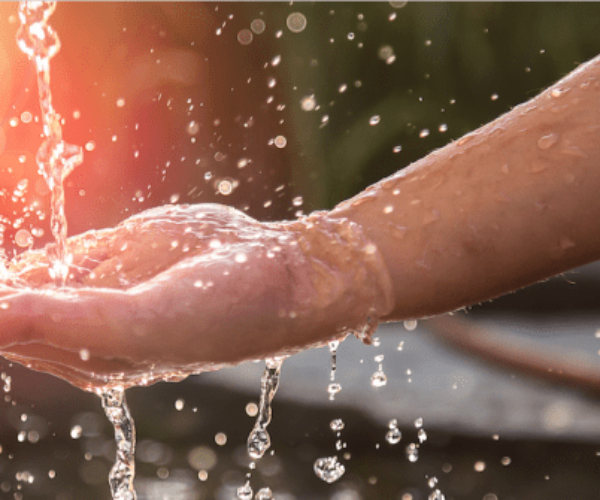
column 56, row 159
column 245, row 492
column 121, row 475
column 436, row 495
column 329, row 469
column 259, row 440
column 264, row 494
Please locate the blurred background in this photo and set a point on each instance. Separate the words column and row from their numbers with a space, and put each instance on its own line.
column 280, row 109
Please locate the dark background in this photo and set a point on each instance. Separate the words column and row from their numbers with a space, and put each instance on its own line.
column 451, row 61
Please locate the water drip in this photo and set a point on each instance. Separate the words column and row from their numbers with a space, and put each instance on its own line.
column 259, row 440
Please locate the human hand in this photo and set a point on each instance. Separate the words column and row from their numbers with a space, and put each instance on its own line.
column 182, row 289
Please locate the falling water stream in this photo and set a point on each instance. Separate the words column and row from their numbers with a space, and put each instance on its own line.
column 122, row 473
column 259, row 440
column 56, row 159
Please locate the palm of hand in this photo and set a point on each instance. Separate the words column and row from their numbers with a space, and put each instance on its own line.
column 183, row 289
column 134, row 293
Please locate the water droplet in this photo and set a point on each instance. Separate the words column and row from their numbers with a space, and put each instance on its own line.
column 424, row 133
column 393, row 436
column 296, row 22
column 479, row 466
column 547, row 141
column 179, row 404
column 443, row 127
column 23, row 238
column 410, row 324
column 280, row 141
column 436, row 495
column 505, row 461
column 264, row 494
column 329, row 469
column 378, row 379
column 556, row 93
column 245, row 37
column 385, row 52
column 388, row 209
column 7, row 382
column 333, row 389
column 174, row 198
column 76, row 431
column 84, row 354
column 374, row 120
column 412, row 452
column 258, row 26
column 225, row 187
column 26, row 117
column 418, row 423
column 90, row 146
column 573, row 151
column 337, row 425
column 120, row 102
column 397, row 149
column 221, row 438
column 342, row 88
column 536, row 167
column 398, row 5
column 271, row 82
column 193, row 127
column 422, row 435
column 494, row 97
column 245, row 492
column 308, row 103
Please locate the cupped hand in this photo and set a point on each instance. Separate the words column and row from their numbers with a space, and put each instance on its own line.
column 182, row 289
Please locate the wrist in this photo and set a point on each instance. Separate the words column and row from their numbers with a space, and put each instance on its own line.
column 351, row 285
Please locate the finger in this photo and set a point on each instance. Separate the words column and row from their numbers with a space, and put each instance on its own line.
column 93, row 377
column 69, row 319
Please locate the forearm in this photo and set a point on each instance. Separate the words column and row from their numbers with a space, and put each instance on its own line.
column 510, row 204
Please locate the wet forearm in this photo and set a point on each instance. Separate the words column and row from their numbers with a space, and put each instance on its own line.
column 510, row 204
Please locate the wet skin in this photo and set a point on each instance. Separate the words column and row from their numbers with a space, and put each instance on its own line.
column 183, row 289
column 178, row 290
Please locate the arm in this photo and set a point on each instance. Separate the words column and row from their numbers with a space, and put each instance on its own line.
column 510, row 204
column 178, row 290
